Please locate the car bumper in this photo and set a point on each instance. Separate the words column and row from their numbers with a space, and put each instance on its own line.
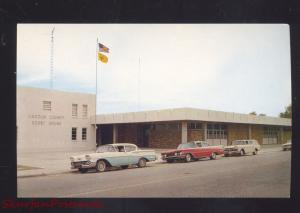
column 232, row 152
column 286, row 147
column 179, row 157
column 83, row 165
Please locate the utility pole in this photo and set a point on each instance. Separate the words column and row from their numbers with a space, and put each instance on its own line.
column 51, row 58
column 139, row 84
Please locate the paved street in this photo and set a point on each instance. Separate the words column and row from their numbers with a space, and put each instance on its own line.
column 264, row 175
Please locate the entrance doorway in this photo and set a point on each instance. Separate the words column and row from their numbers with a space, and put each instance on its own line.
column 106, row 134
column 143, row 132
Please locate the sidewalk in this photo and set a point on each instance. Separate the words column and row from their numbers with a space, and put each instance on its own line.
column 51, row 163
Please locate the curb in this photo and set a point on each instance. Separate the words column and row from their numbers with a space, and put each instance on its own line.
column 61, row 172
column 43, row 174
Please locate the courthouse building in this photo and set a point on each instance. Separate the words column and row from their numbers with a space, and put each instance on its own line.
column 51, row 120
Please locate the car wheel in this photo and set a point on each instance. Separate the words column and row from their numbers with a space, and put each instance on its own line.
column 170, row 161
column 213, row 156
column 242, row 152
column 284, row 149
column 142, row 163
column 124, row 167
column 83, row 170
column 101, row 166
column 255, row 152
column 188, row 158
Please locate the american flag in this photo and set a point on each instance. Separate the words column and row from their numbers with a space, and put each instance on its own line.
column 103, row 48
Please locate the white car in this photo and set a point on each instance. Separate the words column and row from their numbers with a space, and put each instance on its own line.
column 287, row 146
column 111, row 155
column 242, row 147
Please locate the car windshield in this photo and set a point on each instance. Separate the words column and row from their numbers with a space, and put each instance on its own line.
column 106, row 148
column 186, row 146
column 238, row 142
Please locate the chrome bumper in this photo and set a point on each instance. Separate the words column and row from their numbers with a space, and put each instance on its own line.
column 231, row 152
column 83, row 165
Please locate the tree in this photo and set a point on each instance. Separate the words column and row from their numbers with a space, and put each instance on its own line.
column 252, row 113
column 262, row 114
column 287, row 113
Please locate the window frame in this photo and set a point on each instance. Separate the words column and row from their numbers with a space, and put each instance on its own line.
column 74, row 112
column 82, row 138
column 84, row 110
column 45, row 108
column 72, row 134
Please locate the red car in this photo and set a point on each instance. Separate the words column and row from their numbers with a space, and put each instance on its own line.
column 192, row 151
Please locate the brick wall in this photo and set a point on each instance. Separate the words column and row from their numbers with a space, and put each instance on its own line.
column 127, row 133
column 258, row 133
column 287, row 135
column 168, row 138
column 195, row 135
column 237, row 132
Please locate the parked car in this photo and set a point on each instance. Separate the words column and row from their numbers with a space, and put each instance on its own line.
column 287, row 145
column 192, row 151
column 242, row 147
column 112, row 155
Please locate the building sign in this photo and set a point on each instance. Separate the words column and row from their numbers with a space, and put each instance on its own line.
column 44, row 120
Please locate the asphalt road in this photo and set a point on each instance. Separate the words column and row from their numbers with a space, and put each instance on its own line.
column 264, row 175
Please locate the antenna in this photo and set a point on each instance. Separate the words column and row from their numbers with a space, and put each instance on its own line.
column 51, row 58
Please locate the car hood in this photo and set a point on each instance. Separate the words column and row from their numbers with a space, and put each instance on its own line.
column 230, row 147
column 170, row 151
column 82, row 157
column 287, row 144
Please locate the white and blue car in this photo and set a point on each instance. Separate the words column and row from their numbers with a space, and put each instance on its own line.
column 113, row 155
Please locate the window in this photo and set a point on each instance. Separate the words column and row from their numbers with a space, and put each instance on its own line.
column 121, row 148
column 84, row 111
column 105, row 148
column 186, row 145
column 47, row 105
column 167, row 126
column 74, row 133
column 83, row 134
column 237, row 142
column 271, row 132
column 216, row 131
column 129, row 148
column 196, row 125
column 74, row 110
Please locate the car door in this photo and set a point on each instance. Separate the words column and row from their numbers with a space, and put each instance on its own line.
column 121, row 157
column 251, row 146
column 132, row 153
column 201, row 150
column 248, row 147
column 207, row 150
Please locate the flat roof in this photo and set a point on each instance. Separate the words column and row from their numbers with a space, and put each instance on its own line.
column 188, row 114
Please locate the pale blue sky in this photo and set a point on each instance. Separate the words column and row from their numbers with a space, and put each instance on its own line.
column 233, row 67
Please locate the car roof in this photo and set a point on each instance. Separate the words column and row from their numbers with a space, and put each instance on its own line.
column 121, row 144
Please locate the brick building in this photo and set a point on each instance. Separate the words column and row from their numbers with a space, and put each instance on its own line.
column 52, row 120
column 167, row 128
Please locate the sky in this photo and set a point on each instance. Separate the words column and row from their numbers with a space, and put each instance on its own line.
column 226, row 67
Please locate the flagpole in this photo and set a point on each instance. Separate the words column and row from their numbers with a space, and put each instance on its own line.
column 96, row 92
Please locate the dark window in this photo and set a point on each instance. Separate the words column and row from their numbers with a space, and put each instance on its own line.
column 216, row 131
column 74, row 133
column 47, row 105
column 84, row 134
column 195, row 125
